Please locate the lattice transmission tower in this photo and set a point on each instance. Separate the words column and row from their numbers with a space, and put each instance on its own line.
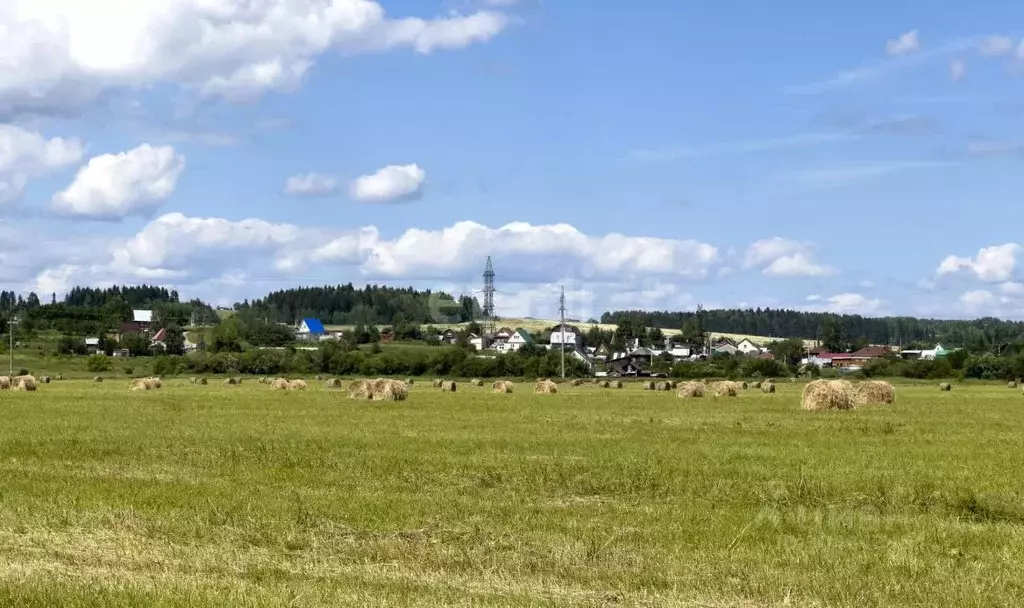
column 488, row 324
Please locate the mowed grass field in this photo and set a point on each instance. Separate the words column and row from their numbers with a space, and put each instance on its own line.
column 240, row 496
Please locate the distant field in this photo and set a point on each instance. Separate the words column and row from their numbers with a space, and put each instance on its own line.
column 540, row 325
column 223, row 496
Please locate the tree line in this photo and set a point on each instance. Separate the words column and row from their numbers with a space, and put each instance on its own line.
column 837, row 331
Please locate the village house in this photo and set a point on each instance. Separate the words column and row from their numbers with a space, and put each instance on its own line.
column 144, row 318
column 519, row 338
column 310, row 330
column 566, row 335
column 746, row 347
column 448, row 336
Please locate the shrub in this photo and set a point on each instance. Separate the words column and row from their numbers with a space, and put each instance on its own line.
column 99, row 363
column 129, row 370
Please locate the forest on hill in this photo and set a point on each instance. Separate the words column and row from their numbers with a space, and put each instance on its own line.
column 977, row 334
column 371, row 305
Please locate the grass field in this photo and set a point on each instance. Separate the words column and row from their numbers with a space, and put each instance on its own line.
column 239, row 496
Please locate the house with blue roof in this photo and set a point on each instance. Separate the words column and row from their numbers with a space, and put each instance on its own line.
column 310, row 329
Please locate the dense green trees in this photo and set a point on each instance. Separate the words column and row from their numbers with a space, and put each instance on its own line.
column 837, row 331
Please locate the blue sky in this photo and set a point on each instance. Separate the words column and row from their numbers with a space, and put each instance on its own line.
column 857, row 158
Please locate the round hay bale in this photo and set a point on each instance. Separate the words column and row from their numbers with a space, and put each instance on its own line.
column 230, row 381
column 674, row 385
column 725, row 389
column 576, row 382
column 945, row 386
column 203, row 381
column 332, row 383
column 319, row 377
column 767, row 387
column 97, row 378
column 139, row 384
column 45, row 379
column 756, row 385
column 1011, row 384
column 743, row 385
column 449, row 386
column 649, row 386
column 154, row 382
column 662, row 386
column 476, row 382
column 437, row 383
column 5, row 382
column 606, row 384
column 279, row 384
column 60, row 376
column 193, row 380
column 617, row 384
column 821, row 395
column 502, row 386
column 691, row 390
column 297, row 385
column 360, row 389
column 25, row 383
column 389, row 390
column 545, row 387
column 874, row 392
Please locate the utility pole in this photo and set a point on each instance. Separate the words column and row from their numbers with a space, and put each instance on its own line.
column 10, row 329
column 561, row 312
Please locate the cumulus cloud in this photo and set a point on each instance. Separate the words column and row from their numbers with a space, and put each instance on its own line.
column 996, row 46
column 311, row 184
column 27, row 154
column 996, row 263
column 390, row 184
column 112, row 186
column 60, row 54
column 957, row 70
column 846, row 304
column 906, row 43
column 780, row 257
column 977, row 300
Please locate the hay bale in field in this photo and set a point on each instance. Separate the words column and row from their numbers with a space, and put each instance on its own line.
column 389, row 390
column 449, row 386
column 545, row 387
column 476, row 382
column 193, row 380
column 743, row 385
column 663, row 386
column 230, row 381
column 767, row 387
column 319, row 377
column 297, row 385
column 725, row 389
column 822, row 395
column 502, row 386
column 437, row 383
column 155, row 382
column 203, row 381
column 691, row 390
column 15, row 379
column 576, row 382
column 25, row 383
column 674, row 385
column 756, row 385
column 605, row 384
column 874, row 392
column 279, row 384
column 945, row 386
column 360, row 389
column 138, row 384
column 5, row 382
column 262, row 380
column 596, row 381
column 45, row 379
column 1011, row 384
column 617, row 384
column 332, row 383
column 97, row 378
column 649, row 386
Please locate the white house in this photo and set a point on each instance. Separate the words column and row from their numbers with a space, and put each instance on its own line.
column 746, row 347
column 517, row 340
column 143, row 318
column 310, row 329
column 477, row 342
column 566, row 335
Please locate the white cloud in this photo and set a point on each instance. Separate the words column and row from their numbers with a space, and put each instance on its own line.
column 1012, row 288
column 976, row 300
column 906, row 43
column 838, row 177
column 392, row 183
column 311, row 184
column 63, row 53
column 779, row 257
column 996, row 263
column 846, row 304
column 996, row 46
column 26, row 154
column 113, row 186
column 1020, row 50
column 957, row 70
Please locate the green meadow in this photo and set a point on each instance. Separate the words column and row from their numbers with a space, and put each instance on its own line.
column 240, row 496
